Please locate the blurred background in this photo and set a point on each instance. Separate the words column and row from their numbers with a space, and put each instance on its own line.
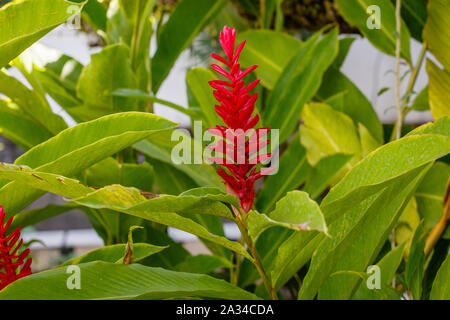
column 70, row 234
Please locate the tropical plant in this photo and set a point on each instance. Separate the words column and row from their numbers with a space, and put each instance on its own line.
column 351, row 195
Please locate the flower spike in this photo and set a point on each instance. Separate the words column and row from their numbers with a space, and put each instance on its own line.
column 10, row 261
column 236, row 107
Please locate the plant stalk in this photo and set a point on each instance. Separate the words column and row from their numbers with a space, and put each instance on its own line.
column 257, row 259
column 439, row 228
column 398, row 104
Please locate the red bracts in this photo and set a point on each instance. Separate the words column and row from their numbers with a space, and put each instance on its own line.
column 10, row 260
column 239, row 151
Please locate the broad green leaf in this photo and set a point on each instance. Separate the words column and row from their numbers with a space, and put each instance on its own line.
column 24, row 22
column 31, row 103
column 438, row 90
column 95, row 13
column 102, row 280
column 159, row 209
column 324, row 172
column 326, row 131
column 436, row 29
column 430, row 194
column 354, row 103
column 55, row 64
column 201, row 200
column 185, row 22
column 414, row 13
column 197, row 79
column 302, row 75
column 270, row 50
column 441, row 289
column 172, row 181
column 32, row 217
column 368, row 142
column 77, row 148
column 391, row 160
column 421, row 101
column 141, row 95
column 295, row 211
column 440, row 126
column 355, row 12
column 115, row 253
column 203, row 264
column 49, row 71
column 161, row 148
column 356, row 237
column 293, row 171
column 388, row 266
column 118, row 28
column 344, row 47
column 415, row 265
column 18, row 128
column 98, row 79
column 110, row 171
column 407, row 224
column 367, row 179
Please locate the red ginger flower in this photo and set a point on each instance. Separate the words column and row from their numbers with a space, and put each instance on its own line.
column 236, row 106
column 10, row 261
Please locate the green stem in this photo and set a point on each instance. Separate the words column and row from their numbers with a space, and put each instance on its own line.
column 398, row 104
column 240, row 215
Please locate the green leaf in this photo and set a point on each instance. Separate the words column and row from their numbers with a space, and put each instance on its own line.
column 31, row 103
column 32, row 217
column 203, row 264
column 344, row 47
column 24, row 22
column 161, row 148
column 364, row 182
column 415, row 266
column 355, row 12
column 185, row 22
column 18, row 128
column 95, row 13
column 99, row 79
column 295, row 211
column 326, row 131
column 368, row 143
column 421, row 101
column 141, row 95
column 414, row 13
column 201, row 200
column 130, row 201
column 441, row 289
column 197, row 79
column 436, row 28
column 356, row 237
column 430, row 194
column 102, row 280
column 324, row 172
column 354, row 103
column 440, row 126
column 115, row 253
column 293, row 171
column 388, row 266
column 302, row 75
column 438, row 90
column 270, row 50
column 77, row 148
column 391, row 160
